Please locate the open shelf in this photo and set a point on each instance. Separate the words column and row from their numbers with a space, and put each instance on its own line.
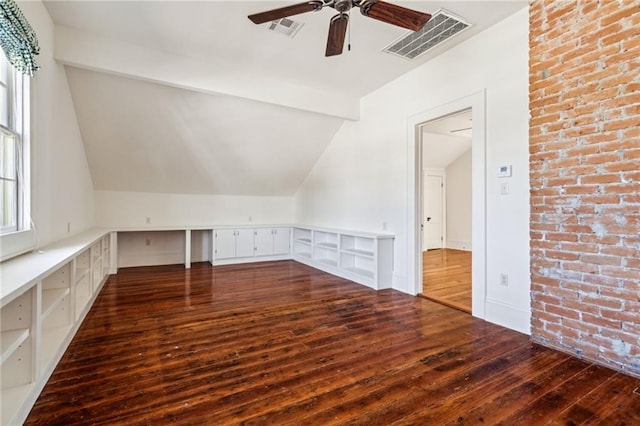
column 358, row 245
column 304, row 254
column 359, row 271
column 82, row 295
column 11, row 340
column 325, row 239
column 82, row 260
column 358, row 252
column 327, row 261
column 52, row 339
column 51, row 299
column 328, row 245
column 302, row 235
column 360, row 265
column 325, row 255
column 12, row 400
column 302, row 248
column 81, row 273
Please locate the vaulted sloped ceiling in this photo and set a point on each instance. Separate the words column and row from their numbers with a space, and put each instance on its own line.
column 147, row 137
column 191, row 97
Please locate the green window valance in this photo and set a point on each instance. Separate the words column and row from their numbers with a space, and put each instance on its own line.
column 17, row 38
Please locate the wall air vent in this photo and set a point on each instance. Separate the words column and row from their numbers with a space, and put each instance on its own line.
column 285, row 26
column 442, row 26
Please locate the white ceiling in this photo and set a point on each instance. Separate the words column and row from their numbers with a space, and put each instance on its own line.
column 219, row 31
column 148, row 134
column 148, row 137
column 443, row 142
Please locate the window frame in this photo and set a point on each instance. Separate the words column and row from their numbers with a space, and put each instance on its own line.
column 18, row 238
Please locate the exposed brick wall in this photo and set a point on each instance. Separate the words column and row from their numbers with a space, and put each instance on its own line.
column 584, row 97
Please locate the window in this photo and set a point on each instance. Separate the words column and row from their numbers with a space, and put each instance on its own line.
column 14, row 159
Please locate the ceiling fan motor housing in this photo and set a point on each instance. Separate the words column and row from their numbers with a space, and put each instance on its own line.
column 343, row 6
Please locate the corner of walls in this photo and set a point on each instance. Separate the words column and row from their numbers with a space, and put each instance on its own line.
column 360, row 181
column 61, row 185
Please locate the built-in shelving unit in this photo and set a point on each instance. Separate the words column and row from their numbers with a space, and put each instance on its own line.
column 302, row 243
column 365, row 258
column 45, row 295
column 44, row 298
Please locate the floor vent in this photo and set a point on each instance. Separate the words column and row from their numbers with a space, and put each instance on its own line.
column 285, row 26
column 442, row 26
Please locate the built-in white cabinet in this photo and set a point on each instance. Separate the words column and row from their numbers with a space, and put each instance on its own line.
column 233, row 243
column 365, row 258
column 271, row 241
column 250, row 244
column 44, row 298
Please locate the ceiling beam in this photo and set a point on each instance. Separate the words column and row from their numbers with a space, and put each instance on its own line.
column 89, row 51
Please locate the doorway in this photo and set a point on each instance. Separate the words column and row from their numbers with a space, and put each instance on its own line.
column 446, row 263
column 473, row 267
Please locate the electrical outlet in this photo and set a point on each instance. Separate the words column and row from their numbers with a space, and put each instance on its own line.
column 68, row 227
column 148, row 220
column 504, row 280
column 147, row 242
column 250, row 219
column 384, row 226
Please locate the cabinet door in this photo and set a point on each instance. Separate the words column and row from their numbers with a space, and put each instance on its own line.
column 244, row 243
column 264, row 241
column 225, row 246
column 281, row 240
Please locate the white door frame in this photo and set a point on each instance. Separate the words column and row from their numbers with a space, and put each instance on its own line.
column 476, row 102
column 443, row 213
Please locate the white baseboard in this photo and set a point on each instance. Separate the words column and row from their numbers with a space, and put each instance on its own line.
column 401, row 283
column 237, row 260
column 459, row 245
column 507, row 315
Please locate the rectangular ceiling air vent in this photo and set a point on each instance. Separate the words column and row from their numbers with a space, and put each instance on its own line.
column 442, row 26
column 285, row 26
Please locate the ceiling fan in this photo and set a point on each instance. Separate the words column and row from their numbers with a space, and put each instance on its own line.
column 376, row 9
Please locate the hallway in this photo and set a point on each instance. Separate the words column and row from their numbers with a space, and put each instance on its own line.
column 446, row 277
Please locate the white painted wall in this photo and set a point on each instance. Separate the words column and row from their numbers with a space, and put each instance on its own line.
column 62, row 190
column 458, row 199
column 361, row 180
column 130, row 209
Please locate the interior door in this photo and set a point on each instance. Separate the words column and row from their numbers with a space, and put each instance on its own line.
column 432, row 221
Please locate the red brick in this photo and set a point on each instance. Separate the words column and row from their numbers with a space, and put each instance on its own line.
column 608, row 178
column 585, row 177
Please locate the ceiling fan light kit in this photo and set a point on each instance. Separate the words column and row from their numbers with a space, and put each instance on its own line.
column 376, row 9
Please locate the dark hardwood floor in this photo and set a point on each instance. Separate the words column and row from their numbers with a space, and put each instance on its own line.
column 281, row 343
column 446, row 277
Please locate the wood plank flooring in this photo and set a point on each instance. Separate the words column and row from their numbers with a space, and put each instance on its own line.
column 446, row 277
column 280, row 343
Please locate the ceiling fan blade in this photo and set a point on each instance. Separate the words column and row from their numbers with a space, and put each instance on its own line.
column 337, row 33
column 394, row 14
column 283, row 12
